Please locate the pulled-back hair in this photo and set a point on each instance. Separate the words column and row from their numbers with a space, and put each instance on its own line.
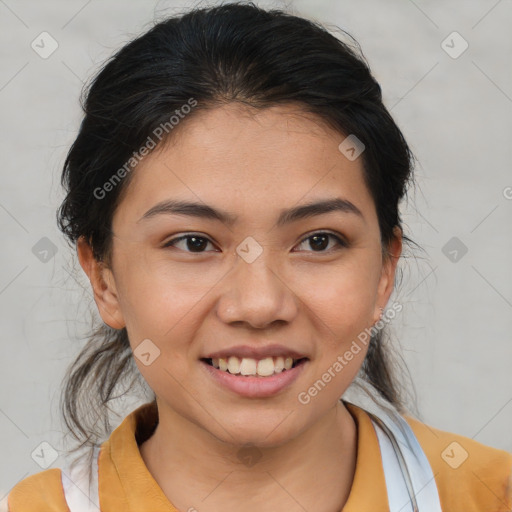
column 235, row 52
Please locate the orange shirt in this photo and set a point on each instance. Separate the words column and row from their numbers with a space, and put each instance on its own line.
column 470, row 476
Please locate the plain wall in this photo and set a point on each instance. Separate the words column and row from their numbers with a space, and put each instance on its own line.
column 456, row 113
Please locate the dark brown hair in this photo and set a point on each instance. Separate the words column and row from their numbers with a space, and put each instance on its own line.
column 235, row 52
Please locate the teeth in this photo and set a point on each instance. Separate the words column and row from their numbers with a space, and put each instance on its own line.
column 233, row 365
column 279, row 364
column 266, row 367
column 248, row 366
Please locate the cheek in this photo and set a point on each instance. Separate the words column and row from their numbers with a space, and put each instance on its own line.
column 343, row 297
column 161, row 311
column 341, row 305
column 158, row 297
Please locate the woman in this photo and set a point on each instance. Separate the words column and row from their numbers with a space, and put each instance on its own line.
column 233, row 194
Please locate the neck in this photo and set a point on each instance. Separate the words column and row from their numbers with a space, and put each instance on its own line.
column 313, row 471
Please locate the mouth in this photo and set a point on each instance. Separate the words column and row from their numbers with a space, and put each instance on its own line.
column 249, row 377
column 251, row 367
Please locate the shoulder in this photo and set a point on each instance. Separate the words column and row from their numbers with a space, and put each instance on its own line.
column 41, row 491
column 470, row 476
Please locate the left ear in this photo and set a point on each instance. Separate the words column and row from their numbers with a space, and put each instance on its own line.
column 387, row 279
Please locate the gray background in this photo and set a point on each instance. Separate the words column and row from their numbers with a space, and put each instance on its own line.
column 455, row 112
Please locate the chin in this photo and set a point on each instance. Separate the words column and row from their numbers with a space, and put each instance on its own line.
column 266, row 432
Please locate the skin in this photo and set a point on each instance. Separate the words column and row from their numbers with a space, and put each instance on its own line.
column 252, row 164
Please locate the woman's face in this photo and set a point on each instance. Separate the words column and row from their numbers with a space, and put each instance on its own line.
column 251, row 281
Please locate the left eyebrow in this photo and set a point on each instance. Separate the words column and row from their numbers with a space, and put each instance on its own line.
column 199, row 210
column 318, row 208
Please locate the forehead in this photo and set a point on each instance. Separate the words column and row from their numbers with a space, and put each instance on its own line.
column 241, row 156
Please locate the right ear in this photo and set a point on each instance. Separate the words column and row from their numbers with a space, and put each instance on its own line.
column 103, row 285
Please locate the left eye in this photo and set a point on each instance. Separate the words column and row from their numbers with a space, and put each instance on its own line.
column 321, row 240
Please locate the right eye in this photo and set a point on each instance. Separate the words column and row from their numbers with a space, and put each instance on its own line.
column 192, row 243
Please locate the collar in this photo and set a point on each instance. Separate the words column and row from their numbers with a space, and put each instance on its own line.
column 125, row 482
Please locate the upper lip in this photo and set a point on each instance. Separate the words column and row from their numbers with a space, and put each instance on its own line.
column 259, row 352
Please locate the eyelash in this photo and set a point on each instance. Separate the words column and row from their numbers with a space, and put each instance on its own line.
column 340, row 241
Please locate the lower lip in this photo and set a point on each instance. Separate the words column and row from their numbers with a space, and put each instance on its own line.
column 255, row 387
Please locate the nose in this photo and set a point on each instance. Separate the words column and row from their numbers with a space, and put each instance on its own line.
column 256, row 295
